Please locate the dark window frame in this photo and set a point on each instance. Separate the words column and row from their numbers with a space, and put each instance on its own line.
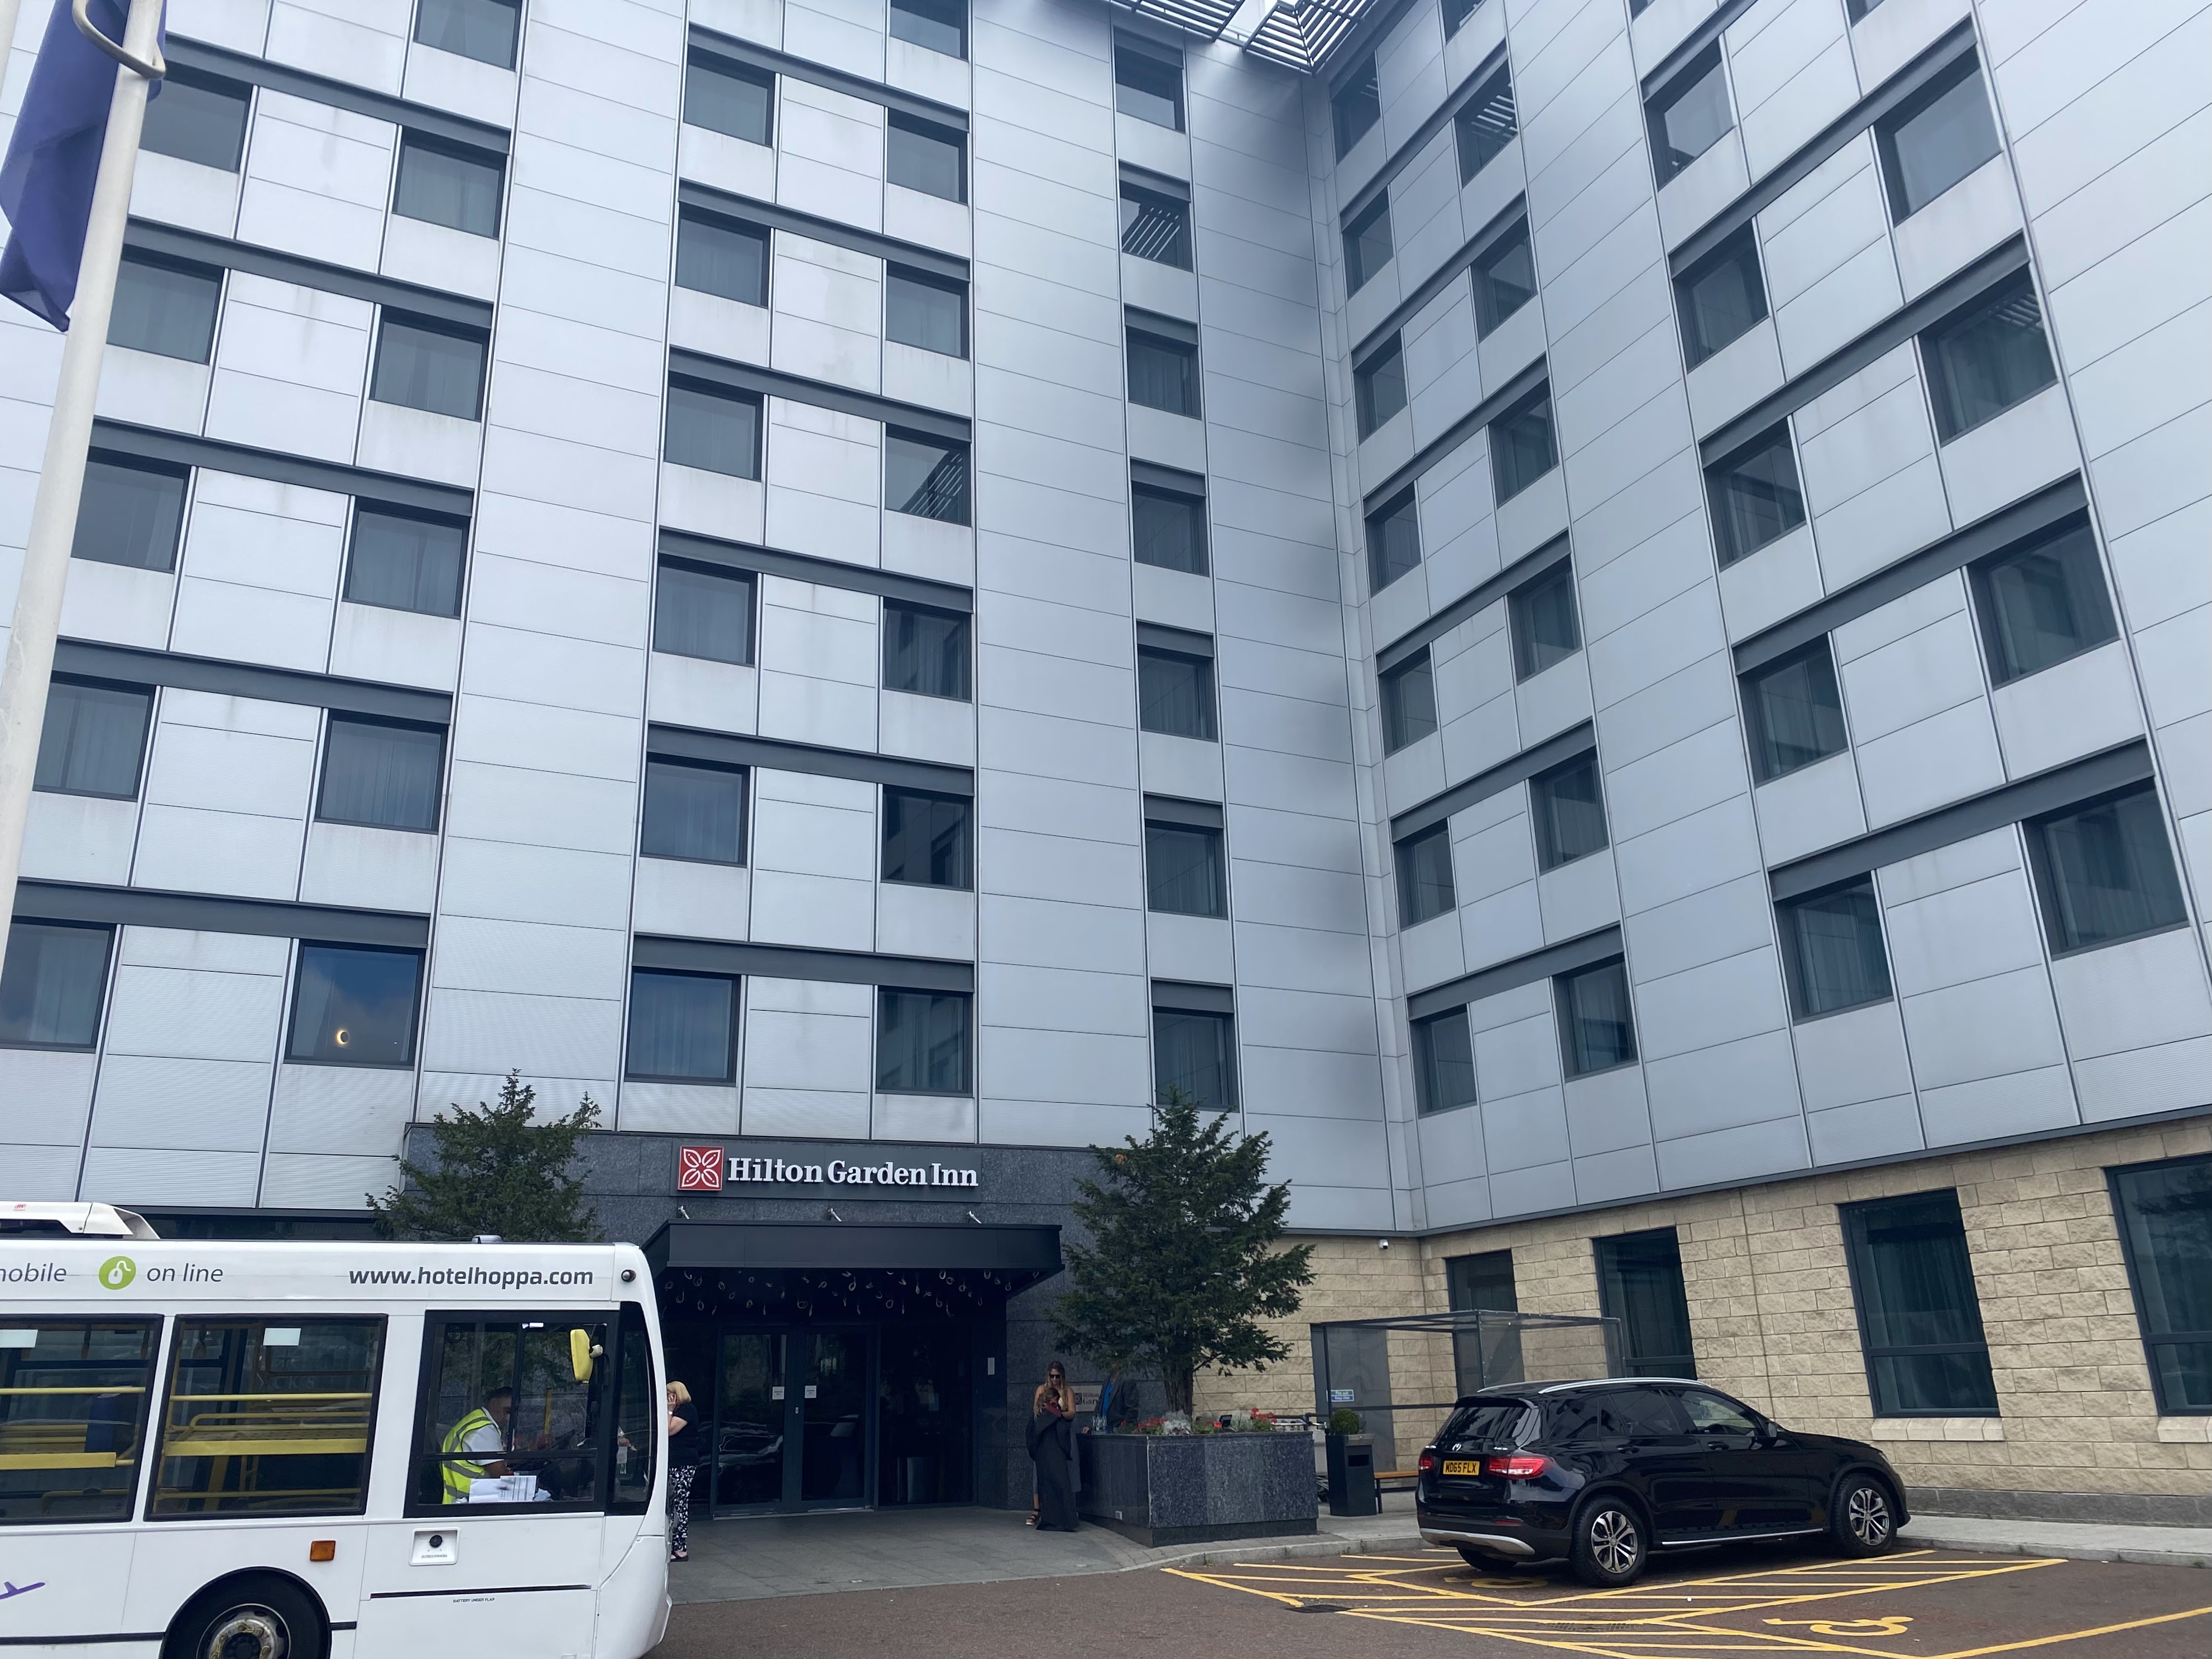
column 684, row 763
column 1185, row 354
column 948, row 488
column 1402, row 864
column 711, row 63
column 964, row 804
column 1551, row 854
column 1403, row 507
column 1759, row 740
column 2055, row 929
column 1945, row 396
column 1427, row 1101
column 895, row 273
column 1217, row 855
column 1398, row 719
column 1521, row 618
column 17, row 930
column 1500, row 443
column 923, row 10
column 1895, row 198
column 1378, row 377
column 1475, row 137
column 1484, row 285
column 337, row 718
column 238, row 93
column 147, row 693
column 1223, row 1023
column 1789, row 917
column 211, row 279
column 114, row 461
column 414, row 143
column 1358, row 236
column 1607, row 1250
column 1728, row 543
column 1156, row 211
column 708, row 389
column 1127, row 51
column 745, row 579
column 1740, row 251
column 2152, row 1341
column 514, row 44
column 1355, row 107
column 1854, row 1218
column 1662, row 101
column 414, row 323
column 414, row 1041
column 1209, row 697
column 1193, row 506
column 1563, row 1011
column 366, row 509
column 950, row 137
column 2073, row 535
column 967, row 1001
column 727, row 225
column 961, row 623
column 729, row 1074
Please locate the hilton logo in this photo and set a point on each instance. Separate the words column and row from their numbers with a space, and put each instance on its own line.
column 708, row 1169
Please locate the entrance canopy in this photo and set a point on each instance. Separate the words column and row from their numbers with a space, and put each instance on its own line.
column 805, row 1271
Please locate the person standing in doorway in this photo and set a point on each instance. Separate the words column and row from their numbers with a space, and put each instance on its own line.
column 686, row 1441
column 1052, row 1445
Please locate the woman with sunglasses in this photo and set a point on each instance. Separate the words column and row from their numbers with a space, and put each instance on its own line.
column 1052, row 1449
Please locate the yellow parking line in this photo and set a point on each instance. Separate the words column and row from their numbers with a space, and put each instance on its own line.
column 2076, row 1635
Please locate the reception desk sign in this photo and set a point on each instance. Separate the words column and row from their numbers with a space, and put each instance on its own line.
column 712, row 1169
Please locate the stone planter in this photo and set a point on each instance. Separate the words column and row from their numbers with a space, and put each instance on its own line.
column 1199, row 1488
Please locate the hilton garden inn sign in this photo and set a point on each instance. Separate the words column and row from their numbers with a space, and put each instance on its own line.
column 710, row 1169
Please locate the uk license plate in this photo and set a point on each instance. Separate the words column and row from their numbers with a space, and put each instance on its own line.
column 1462, row 1465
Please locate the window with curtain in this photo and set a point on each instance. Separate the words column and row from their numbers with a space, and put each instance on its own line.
column 1175, row 694
column 1196, row 1051
column 449, row 184
column 1162, row 372
column 937, row 25
column 683, row 1028
column 129, row 514
column 1367, row 247
column 1640, row 1281
column 1721, row 298
column 925, row 477
column 1443, row 1062
column 722, row 257
column 383, row 774
column 1378, row 387
column 402, row 561
column 924, row 651
column 693, row 810
column 1755, row 494
column 729, row 99
column 1183, row 870
column 924, row 156
column 1986, row 358
column 1356, row 105
column 1522, row 449
column 1834, row 950
column 921, row 1042
column 1942, row 134
column 1569, row 812
column 1690, row 114
column 1545, row 629
column 926, row 311
column 1796, row 712
column 1169, row 529
column 1597, row 1023
column 703, row 611
column 165, row 307
column 427, row 366
column 712, row 429
column 1155, row 227
column 485, row 30
column 94, row 741
column 2104, row 871
column 1424, row 876
column 1920, row 1321
column 198, row 117
column 53, row 984
column 1409, row 702
column 1393, row 541
column 1147, row 86
column 1486, row 124
column 2042, row 603
column 1505, row 279
column 2164, row 1216
column 354, row 1005
column 1457, row 12
column 929, row 839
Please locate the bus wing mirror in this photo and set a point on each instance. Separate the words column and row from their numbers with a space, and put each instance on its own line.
column 581, row 1350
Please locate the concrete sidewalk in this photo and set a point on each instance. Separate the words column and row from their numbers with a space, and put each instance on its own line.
column 2151, row 1547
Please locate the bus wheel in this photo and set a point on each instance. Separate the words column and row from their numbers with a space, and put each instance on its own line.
column 248, row 1618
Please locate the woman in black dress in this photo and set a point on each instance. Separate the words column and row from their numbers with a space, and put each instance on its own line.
column 1052, row 1445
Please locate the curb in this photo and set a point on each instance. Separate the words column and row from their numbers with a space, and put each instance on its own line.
column 1259, row 1549
column 1931, row 1534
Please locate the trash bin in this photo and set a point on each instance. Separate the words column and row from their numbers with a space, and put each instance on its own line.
column 1351, row 1475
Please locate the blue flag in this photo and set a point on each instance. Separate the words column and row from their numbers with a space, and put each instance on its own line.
column 54, row 161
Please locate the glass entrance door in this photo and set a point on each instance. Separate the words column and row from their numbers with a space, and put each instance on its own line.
column 792, row 1420
column 749, row 1430
column 831, row 1375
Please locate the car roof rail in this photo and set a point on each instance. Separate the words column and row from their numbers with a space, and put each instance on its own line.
column 73, row 1220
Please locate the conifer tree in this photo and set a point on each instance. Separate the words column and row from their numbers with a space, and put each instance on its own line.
column 499, row 1169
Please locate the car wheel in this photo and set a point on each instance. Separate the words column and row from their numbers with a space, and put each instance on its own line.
column 1862, row 1519
column 1610, row 1548
column 248, row 1618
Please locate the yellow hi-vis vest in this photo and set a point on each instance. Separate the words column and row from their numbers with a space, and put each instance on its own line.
column 457, row 1474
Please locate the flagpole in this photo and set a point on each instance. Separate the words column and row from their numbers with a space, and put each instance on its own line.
column 30, row 662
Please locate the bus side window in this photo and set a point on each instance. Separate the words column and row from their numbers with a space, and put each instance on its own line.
column 264, row 1418
column 505, row 1418
column 636, row 1415
column 73, row 1396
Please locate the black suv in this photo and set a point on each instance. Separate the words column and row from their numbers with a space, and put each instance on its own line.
column 1602, row 1473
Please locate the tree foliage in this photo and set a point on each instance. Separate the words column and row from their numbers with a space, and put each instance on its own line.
column 500, row 1169
column 1183, row 1262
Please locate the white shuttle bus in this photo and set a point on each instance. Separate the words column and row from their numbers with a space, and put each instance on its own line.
column 325, row 1450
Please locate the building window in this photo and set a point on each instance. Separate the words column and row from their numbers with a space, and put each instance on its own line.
column 1162, row 372
column 1367, row 245
column 1481, row 1283
column 52, row 985
column 130, row 514
column 929, row 839
column 937, row 25
column 94, row 741
column 1721, row 297
column 1522, row 449
column 1443, row 1062
column 1183, row 874
column 1944, row 132
column 1424, row 876
column 1857, row 9
column 381, row 774
column 712, row 429
column 1355, row 107
column 1569, row 812
column 1457, row 12
column 924, row 156
column 198, row 117
column 1639, row 1282
column 1690, row 114
column 1147, row 86
column 449, row 184
column 723, row 98
column 1155, row 227
column 355, row 1006
column 1920, row 1324
column 694, row 811
column 165, row 307
column 1378, row 387
column 723, row 257
column 1983, row 360
column 1504, row 278
column 700, row 611
column 926, row 311
column 1486, row 124
column 1196, row 1051
column 921, row 1042
column 2042, row 603
column 1545, row 629
column 401, row 560
column 2105, row 871
column 683, row 1028
column 2165, row 1212
column 1831, row 946
column 925, row 477
column 1597, row 1025
column 1169, row 529
column 1175, row 694
column 924, row 651
column 1755, row 494
column 1409, row 702
column 1393, row 541
column 428, row 365
column 1794, row 711
column 482, row 30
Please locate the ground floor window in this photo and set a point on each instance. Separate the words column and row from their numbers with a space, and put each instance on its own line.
column 2165, row 1215
column 1484, row 1284
column 1920, row 1322
column 1640, row 1279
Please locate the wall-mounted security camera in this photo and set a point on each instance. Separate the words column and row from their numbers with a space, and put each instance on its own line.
column 1381, row 1243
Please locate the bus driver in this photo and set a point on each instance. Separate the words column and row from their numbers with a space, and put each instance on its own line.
column 480, row 1431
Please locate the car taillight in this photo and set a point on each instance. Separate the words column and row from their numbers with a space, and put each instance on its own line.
column 1519, row 1468
column 1428, row 1463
